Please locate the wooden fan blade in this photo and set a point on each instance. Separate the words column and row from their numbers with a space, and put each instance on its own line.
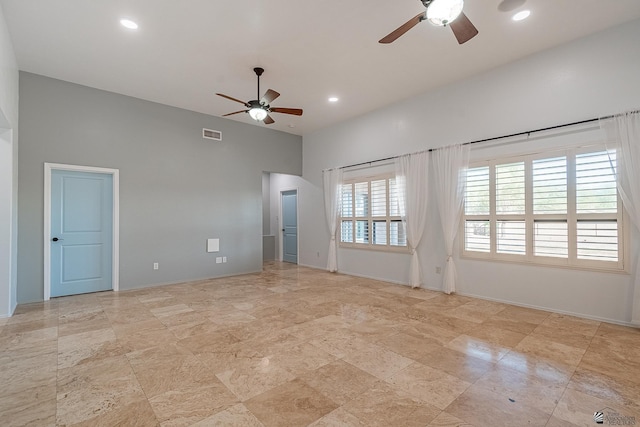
column 268, row 120
column 392, row 36
column 232, row 98
column 294, row 111
column 463, row 29
column 269, row 97
column 235, row 112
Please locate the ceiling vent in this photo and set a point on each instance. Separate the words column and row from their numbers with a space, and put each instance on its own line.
column 216, row 135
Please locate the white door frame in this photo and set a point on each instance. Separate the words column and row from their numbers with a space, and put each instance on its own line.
column 115, row 262
column 280, row 225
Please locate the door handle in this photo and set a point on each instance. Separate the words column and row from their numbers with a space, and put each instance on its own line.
column 55, row 239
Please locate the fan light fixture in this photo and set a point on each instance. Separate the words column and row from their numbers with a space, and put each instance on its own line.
column 443, row 12
column 258, row 114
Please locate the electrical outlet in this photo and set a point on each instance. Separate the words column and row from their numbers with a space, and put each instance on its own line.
column 219, row 260
column 438, row 270
column 155, row 266
column 224, row 259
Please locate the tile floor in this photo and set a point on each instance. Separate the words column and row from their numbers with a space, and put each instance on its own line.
column 294, row 346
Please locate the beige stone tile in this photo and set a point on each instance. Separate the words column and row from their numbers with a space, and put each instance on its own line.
column 543, row 369
column 376, row 360
column 301, row 358
column 169, row 367
column 128, row 314
column 339, row 381
column 28, row 339
column 187, row 406
column 448, row 420
column 171, row 310
column 478, row 348
column 502, row 337
column 570, row 323
column 24, row 370
column 556, row 422
column 524, row 388
column 237, row 416
column 578, row 408
column 383, row 405
column 338, row 418
column 89, row 390
column 151, row 333
column 563, row 336
column 290, row 404
column 83, row 321
column 524, row 314
column 456, row 363
column 135, row 414
column 431, row 332
column 33, row 407
column 408, row 345
column 28, row 326
column 481, row 407
column 550, row 350
column 250, row 377
column 87, row 347
column 499, row 321
column 428, row 384
column 623, row 392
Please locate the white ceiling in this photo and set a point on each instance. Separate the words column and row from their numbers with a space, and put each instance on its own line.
column 185, row 51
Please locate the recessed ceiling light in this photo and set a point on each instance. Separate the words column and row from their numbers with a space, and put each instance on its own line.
column 523, row 14
column 291, row 125
column 333, row 99
column 128, row 23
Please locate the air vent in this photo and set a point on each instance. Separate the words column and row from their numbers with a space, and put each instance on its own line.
column 216, row 135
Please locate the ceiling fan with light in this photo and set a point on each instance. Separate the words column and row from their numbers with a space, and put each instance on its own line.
column 440, row 13
column 259, row 109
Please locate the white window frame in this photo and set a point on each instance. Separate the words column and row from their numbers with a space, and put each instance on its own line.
column 572, row 217
column 370, row 218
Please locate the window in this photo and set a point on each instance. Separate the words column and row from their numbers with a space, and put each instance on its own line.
column 370, row 214
column 559, row 209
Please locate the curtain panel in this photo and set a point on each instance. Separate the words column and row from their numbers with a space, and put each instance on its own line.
column 412, row 171
column 332, row 180
column 450, row 165
column 624, row 131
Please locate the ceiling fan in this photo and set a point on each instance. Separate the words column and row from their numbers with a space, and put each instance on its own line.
column 440, row 13
column 259, row 109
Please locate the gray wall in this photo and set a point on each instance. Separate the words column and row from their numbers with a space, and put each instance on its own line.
column 176, row 189
column 590, row 77
column 8, row 171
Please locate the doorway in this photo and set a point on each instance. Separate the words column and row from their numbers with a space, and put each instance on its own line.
column 81, row 230
column 289, row 208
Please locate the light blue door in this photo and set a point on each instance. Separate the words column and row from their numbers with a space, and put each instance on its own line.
column 81, row 232
column 290, row 226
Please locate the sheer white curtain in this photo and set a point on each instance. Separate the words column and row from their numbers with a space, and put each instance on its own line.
column 412, row 171
column 624, row 129
column 450, row 165
column 332, row 205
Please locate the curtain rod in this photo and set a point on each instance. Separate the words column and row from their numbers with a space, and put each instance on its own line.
column 489, row 139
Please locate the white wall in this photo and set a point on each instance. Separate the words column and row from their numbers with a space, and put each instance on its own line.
column 590, row 77
column 8, row 170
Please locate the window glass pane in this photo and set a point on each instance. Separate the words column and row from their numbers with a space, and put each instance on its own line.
column 346, row 231
column 347, row 200
column 394, row 209
column 598, row 240
column 550, row 238
column 550, row 186
column 476, row 199
column 397, row 235
column 596, row 183
column 510, row 188
column 476, row 236
column 379, row 233
column 379, row 197
column 362, row 198
column 362, row 231
column 511, row 237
